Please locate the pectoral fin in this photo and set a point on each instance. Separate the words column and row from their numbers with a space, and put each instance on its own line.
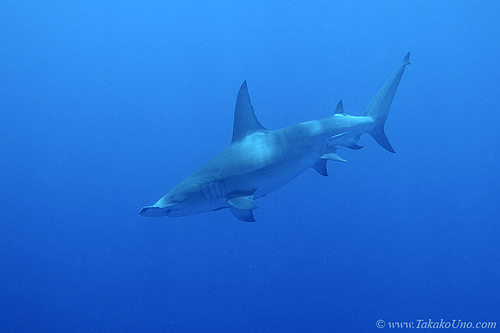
column 243, row 202
column 244, row 215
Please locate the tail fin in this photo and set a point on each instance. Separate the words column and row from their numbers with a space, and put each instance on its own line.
column 381, row 103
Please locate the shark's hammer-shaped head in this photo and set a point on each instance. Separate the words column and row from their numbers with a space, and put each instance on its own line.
column 161, row 208
column 180, row 201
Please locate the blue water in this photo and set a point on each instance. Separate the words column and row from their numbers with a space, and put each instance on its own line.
column 105, row 106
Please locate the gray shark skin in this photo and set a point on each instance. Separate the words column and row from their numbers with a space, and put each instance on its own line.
column 259, row 161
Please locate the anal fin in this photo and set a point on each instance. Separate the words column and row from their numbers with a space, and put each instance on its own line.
column 353, row 146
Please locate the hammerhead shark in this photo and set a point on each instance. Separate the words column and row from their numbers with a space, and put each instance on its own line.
column 259, row 161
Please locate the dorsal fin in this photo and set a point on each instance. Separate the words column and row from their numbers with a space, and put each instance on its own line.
column 245, row 122
column 339, row 108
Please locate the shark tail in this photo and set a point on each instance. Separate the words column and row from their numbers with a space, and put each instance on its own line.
column 378, row 109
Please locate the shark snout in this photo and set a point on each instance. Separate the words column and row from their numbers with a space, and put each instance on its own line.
column 152, row 211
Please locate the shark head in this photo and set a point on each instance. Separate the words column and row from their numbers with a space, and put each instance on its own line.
column 152, row 211
column 180, row 201
column 191, row 196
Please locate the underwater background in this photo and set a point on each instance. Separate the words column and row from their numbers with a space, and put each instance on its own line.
column 106, row 105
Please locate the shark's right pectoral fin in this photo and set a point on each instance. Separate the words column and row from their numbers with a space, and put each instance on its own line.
column 243, row 202
column 244, row 215
column 241, row 207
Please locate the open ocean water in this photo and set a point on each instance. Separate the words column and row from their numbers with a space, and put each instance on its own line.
column 106, row 105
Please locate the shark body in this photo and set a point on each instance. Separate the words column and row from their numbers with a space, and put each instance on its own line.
column 259, row 161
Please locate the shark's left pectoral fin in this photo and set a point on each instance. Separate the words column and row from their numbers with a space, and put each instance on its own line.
column 243, row 202
column 245, row 215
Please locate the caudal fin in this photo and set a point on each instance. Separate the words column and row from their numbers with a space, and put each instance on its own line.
column 378, row 109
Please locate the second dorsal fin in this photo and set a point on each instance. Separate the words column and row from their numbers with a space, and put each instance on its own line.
column 340, row 108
